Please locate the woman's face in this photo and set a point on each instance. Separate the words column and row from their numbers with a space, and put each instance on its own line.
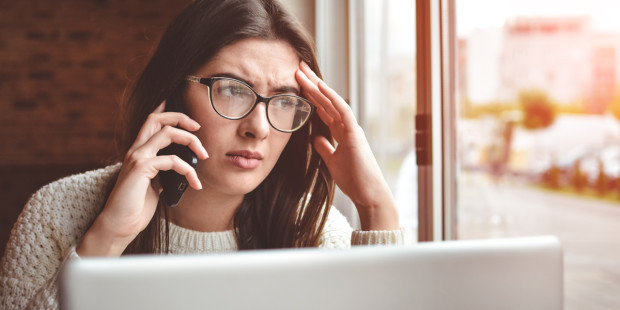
column 242, row 152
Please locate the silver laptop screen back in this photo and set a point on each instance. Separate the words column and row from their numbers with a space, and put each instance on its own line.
column 520, row 273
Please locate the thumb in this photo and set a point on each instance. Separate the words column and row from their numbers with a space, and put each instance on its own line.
column 161, row 107
column 157, row 185
column 324, row 148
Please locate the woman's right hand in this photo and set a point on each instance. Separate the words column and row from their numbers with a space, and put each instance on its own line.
column 135, row 195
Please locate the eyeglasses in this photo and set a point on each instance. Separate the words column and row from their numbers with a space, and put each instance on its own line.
column 234, row 99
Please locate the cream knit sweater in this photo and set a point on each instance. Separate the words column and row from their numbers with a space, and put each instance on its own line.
column 52, row 222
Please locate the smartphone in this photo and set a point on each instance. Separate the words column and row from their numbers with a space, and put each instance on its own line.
column 174, row 184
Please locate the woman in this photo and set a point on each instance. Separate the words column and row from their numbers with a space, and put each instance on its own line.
column 236, row 71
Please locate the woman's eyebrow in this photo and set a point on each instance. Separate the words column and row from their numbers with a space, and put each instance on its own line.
column 287, row 90
column 279, row 89
column 233, row 76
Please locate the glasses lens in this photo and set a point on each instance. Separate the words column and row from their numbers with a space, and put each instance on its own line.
column 231, row 98
column 288, row 113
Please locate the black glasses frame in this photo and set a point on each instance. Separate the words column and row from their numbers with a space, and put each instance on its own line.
column 209, row 83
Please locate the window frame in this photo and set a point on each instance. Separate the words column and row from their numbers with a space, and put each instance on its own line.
column 436, row 119
column 339, row 38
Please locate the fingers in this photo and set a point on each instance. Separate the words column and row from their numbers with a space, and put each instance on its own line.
column 172, row 162
column 324, row 148
column 325, row 109
column 346, row 114
column 158, row 120
column 147, row 154
column 318, row 92
column 159, row 131
column 169, row 135
column 314, row 99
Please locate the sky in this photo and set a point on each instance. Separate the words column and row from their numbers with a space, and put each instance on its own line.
column 479, row 14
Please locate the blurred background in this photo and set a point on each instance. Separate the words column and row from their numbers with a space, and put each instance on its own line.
column 538, row 92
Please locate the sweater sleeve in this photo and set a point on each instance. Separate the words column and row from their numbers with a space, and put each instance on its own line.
column 380, row 237
column 46, row 297
column 44, row 237
column 338, row 233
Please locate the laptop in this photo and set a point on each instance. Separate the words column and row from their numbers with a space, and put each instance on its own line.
column 515, row 273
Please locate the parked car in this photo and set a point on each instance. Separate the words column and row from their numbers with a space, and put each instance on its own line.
column 610, row 157
column 581, row 168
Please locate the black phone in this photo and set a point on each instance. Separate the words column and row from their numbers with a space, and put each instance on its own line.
column 174, row 184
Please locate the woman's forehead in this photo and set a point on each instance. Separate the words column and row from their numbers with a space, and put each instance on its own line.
column 268, row 63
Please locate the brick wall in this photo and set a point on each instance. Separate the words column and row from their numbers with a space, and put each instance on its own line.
column 64, row 65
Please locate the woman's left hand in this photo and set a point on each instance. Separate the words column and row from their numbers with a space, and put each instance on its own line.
column 351, row 163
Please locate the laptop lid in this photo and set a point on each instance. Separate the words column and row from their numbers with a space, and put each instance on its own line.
column 520, row 273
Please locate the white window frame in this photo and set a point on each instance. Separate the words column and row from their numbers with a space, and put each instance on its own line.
column 333, row 38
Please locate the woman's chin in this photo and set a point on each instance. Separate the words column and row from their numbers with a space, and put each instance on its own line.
column 237, row 186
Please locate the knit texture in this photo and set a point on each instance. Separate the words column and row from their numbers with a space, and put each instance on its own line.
column 57, row 216
column 53, row 220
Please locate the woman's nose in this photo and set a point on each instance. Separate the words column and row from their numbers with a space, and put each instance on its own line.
column 256, row 125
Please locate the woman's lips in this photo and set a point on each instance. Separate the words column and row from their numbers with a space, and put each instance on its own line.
column 245, row 159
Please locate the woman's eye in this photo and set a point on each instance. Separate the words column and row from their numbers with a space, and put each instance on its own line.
column 232, row 91
column 285, row 103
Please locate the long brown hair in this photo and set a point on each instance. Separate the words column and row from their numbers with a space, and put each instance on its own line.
column 289, row 208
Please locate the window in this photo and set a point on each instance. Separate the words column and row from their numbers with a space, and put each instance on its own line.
column 387, row 97
column 530, row 114
column 369, row 59
column 539, row 133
